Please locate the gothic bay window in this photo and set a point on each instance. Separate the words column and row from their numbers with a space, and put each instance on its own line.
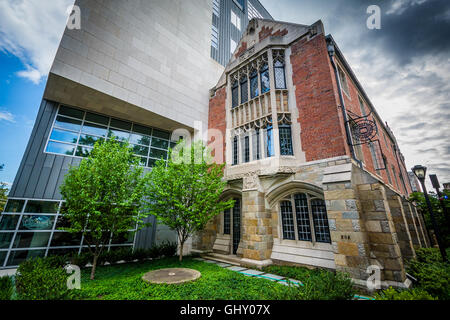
column 235, row 94
column 286, row 140
column 265, row 80
column 253, row 84
column 300, row 214
column 244, row 89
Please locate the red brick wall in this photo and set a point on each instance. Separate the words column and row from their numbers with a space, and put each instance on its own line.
column 351, row 101
column 267, row 32
column 322, row 135
column 217, row 119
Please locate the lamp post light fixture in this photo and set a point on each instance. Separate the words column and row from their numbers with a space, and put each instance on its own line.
column 419, row 172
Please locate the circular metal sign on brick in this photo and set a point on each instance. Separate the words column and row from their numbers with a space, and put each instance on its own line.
column 171, row 275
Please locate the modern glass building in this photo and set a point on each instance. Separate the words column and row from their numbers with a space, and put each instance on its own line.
column 137, row 70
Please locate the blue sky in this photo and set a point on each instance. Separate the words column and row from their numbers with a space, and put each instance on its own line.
column 404, row 67
column 19, row 103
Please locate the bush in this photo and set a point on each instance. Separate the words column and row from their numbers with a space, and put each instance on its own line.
column 6, row 288
column 153, row 252
column 81, row 260
column 431, row 273
column 168, row 249
column 42, row 279
column 413, row 294
column 317, row 284
column 140, row 254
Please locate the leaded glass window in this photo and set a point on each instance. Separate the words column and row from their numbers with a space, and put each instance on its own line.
column 269, row 142
column 235, row 151
column 287, row 220
column 226, row 222
column 254, row 84
column 286, row 140
column 302, row 215
column 265, row 79
column 280, row 79
column 321, row 229
column 235, row 94
column 244, row 89
column 256, row 143
column 246, row 149
column 310, row 212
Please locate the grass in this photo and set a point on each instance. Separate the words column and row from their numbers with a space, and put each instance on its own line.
column 123, row 282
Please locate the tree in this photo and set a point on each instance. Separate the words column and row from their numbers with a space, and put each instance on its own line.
column 185, row 193
column 3, row 195
column 441, row 220
column 103, row 195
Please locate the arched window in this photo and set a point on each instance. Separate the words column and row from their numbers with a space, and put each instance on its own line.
column 235, row 94
column 253, row 84
column 244, row 89
column 280, row 79
column 265, row 80
column 300, row 214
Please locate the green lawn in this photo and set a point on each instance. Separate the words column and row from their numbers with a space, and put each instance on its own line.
column 123, row 282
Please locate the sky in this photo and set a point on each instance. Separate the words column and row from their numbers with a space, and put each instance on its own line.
column 404, row 67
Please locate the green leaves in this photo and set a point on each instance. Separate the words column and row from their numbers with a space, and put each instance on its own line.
column 185, row 193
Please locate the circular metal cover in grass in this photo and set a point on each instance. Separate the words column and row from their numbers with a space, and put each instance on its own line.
column 171, row 275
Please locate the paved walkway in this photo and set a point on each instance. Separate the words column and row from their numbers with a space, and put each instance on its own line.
column 263, row 275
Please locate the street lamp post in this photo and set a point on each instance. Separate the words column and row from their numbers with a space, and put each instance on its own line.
column 419, row 172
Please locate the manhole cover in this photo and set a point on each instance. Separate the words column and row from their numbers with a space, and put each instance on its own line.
column 171, row 275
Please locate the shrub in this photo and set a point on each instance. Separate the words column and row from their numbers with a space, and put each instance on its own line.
column 153, row 252
column 168, row 249
column 6, row 288
column 413, row 294
column 42, row 279
column 431, row 273
column 317, row 284
column 81, row 260
column 140, row 254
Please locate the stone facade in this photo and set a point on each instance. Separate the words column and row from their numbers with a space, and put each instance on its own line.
column 368, row 220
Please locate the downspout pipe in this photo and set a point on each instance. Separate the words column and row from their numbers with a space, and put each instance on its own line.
column 331, row 52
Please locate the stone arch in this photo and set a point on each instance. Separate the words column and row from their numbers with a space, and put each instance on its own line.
column 283, row 189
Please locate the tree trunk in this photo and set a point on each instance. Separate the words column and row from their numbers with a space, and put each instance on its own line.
column 181, row 251
column 94, row 266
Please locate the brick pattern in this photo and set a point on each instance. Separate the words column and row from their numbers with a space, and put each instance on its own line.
column 322, row 135
column 217, row 119
column 242, row 49
column 268, row 32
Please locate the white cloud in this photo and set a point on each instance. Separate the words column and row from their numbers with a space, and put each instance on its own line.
column 31, row 30
column 6, row 116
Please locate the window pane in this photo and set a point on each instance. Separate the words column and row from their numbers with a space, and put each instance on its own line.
column 254, row 87
column 123, row 238
column 286, row 141
column 62, row 252
column 14, row 206
column 140, row 150
column 71, row 112
column 35, row 222
column 119, row 134
column 140, row 139
column 64, row 136
column 158, row 154
column 62, row 222
column 35, row 206
column 265, row 82
column 302, row 214
column 2, row 257
column 66, row 123
column 161, row 134
column 247, row 149
column 160, row 143
column 87, row 140
column 320, row 219
column 31, row 239
column 65, row 239
column 95, row 129
column 244, row 90
column 151, row 163
column 17, row 257
column 142, row 129
column 143, row 161
column 235, row 151
column 120, row 124
column 287, row 220
column 61, row 148
column 92, row 117
column 269, row 142
column 235, row 96
column 5, row 241
column 83, row 152
column 8, row 222
column 280, row 82
column 226, row 222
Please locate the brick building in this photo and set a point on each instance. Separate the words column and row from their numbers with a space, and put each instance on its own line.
column 317, row 176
